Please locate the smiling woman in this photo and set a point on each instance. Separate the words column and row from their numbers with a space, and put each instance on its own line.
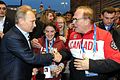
column 50, row 42
column 49, row 32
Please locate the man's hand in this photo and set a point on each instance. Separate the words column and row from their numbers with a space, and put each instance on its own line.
column 81, row 64
column 35, row 43
column 57, row 55
column 58, row 69
column 1, row 34
column 35, row 71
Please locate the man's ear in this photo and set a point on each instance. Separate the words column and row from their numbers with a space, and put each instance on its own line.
column 21, row 20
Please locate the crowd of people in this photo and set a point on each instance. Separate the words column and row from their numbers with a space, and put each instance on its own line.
column 51, row 46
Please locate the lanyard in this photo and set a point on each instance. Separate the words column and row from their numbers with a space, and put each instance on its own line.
column 94, row 47
column 94, row 41
column 46, row 40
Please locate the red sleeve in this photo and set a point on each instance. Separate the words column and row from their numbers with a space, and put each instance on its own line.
column 37, row 50
column 60, row 45
column 110, row 48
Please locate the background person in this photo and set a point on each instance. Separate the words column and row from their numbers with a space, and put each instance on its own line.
column 60, row 23
column 117, row 16
column 47, row 17
column 107, row 23
column 5, row 22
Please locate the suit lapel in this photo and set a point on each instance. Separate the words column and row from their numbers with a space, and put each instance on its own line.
column 21, row 36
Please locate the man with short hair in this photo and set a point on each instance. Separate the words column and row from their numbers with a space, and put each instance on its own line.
column 88, row 42
column 16, row 56
column 5, row 22
column 108, row 15
column 99, row 53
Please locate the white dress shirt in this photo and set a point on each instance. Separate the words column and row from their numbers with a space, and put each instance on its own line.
column 2, row 24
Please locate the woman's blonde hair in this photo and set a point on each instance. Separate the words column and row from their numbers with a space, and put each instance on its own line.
column 65, row 27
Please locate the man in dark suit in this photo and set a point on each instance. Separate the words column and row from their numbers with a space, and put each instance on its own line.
column 5, row 22
column 107, row 23
column 16, row 56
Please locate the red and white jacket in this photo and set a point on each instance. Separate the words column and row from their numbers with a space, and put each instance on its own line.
column 105, row 46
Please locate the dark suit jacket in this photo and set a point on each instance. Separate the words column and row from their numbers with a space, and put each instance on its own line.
column 8, row 24
column 114, row 30
column 16, row 58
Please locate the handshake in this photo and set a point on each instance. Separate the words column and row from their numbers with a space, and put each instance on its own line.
column 56, row 69
column 56, row 54
column 1, row 34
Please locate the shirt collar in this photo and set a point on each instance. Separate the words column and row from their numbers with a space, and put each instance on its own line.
column 3, row 20
column 26, row 34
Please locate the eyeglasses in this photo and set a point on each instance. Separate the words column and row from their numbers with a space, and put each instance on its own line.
column 2, row 8
column 74, row 20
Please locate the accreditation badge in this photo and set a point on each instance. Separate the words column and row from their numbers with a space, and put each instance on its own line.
column 47, row 72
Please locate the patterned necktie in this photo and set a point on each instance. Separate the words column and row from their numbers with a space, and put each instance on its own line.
column 28, row 40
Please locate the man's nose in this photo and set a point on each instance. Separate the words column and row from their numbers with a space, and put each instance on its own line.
column 109, row 20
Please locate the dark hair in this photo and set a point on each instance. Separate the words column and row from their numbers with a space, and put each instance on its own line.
column 1, row 2
column 52, row 25
column 108, row 10
column 69, row 12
